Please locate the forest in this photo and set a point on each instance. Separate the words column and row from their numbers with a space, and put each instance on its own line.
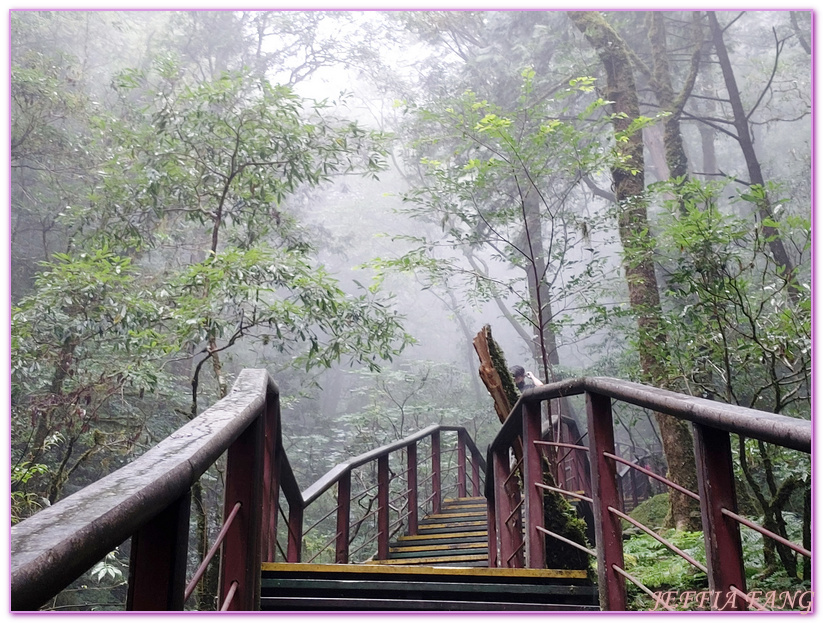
column 346, row 198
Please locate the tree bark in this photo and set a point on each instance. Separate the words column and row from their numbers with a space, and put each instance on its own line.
column 544, row 346
column 501, row 395
column 662, row 83
column 644, row 298
column 744, row 138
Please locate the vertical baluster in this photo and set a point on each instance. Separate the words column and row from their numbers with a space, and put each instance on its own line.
column 436, row 491
column 503, row 506
column 294, row 549
column 608, row 531
column 715, row 480
column 491, row 528
column 241, row 553
column 383, row 507
column 341, row 555
column 411, row 465
column 274, row 517
column 157, row 565
column 533, row 495
column 475, row 473
column 461, row 464
column 271, row 484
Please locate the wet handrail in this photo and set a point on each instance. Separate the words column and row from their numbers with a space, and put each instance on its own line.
column 325, row 482
column 712, row 422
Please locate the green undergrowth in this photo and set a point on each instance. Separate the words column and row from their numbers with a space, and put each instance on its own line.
column 661, row 570
column 651, row 513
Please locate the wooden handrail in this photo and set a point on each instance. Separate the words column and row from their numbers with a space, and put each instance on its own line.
column 712, row 422
column 789, row 432
column 325, row 482
column 55, row 546
column 149, row 498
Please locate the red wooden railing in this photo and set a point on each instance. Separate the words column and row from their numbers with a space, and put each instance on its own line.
column 512, row 507
column 149, row 501
column 390, row 480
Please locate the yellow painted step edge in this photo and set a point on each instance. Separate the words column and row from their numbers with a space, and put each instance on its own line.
column 437, row 548
column 445, row 535
column 423, row 570
column 453, row 515
column 457, row 524
column 444, row 559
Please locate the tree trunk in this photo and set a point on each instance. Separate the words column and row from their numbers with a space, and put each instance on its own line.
column 744, row 138
column 544, row 346
column 217, row 367
column 644, row 298
column 500, row 386
column 662, row 83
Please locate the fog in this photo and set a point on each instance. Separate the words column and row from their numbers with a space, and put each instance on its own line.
column 435, row 83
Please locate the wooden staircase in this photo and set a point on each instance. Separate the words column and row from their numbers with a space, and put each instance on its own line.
column 456, row 536
column 443, row 567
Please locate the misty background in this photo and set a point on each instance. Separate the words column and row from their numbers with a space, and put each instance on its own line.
column 116, row 139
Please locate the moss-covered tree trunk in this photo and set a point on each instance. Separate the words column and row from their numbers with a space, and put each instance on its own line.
column 494, row 373
column 664, row 90
column 558, row 515
column 644, row 298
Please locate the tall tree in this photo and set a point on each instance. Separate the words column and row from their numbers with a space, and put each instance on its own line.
column 638, row 246
column 741, row 120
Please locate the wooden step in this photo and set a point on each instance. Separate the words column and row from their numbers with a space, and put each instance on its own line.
column 307, row 587
column 448, row 547
column 497, row 573
column 464, row 508
column 453, row 517
column 439, row 539
column 456, row 536
column 348, row 604
column 428, row 560
column 450, row 526
column 480, row 534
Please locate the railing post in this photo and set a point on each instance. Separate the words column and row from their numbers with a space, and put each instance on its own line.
column 383, row 507
column 491, row 528
column 436, row 491
column 461, row 464
column 274, row 517
column 271, row 480
column 412, row 501
column 535, row 549
column 242, row 553
column 294, row 548
column 504, row 508
column 157, row 565
column 475, row 473
column 715, row 482
column 608, row 531
column 341, row 555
